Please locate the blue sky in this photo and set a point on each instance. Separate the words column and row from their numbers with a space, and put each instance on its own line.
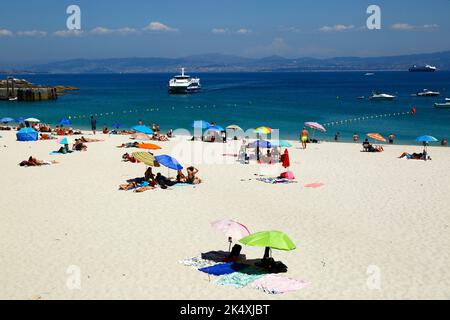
column 35, row 31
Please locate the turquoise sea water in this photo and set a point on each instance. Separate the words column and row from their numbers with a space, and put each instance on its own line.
column 278, row 100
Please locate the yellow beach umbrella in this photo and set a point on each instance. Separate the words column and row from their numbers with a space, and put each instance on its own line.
column 146, row 158
column 263, row 130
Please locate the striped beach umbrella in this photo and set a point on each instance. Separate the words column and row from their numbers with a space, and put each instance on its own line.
column 145, row 158
column 377, row 136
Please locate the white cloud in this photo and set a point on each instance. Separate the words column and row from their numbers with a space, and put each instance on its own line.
column 158, row 26
column 219, row 30
column 244, row 31
column 32, row 33
column 410, row 27
column 337, row 28
column 101, row 31
column 68, row 33
column 104, row 31
column 5, row 33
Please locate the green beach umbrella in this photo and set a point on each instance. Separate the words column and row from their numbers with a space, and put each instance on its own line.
column 269, row 239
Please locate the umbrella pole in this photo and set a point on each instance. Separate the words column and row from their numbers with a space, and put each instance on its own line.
column 230, row 241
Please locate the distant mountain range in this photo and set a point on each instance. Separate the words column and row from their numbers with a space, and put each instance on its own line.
column 230, row 63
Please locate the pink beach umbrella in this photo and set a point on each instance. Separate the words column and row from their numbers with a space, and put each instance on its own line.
column 315, row 126
column 231, row 229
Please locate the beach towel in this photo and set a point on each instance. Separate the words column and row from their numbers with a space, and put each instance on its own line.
column 241, row 279
column 223, row 268
column 314, row 185
column 276, row 181
column 276, row 284
column 197, row 263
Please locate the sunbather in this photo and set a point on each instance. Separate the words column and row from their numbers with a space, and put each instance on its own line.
column 127, row 158
column 181, row 178
column 375, row 148
column 163, row 181
column 87, row 140
column 79, row 145
column 415, row 156
column 129, row 145
column 192, row 179
column 33, row 162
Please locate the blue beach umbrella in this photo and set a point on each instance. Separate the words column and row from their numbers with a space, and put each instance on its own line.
column 20, row 120
column 282, row 144
column 261, row 144
column 117, row 125
column 65, row 122
column 426, row 139
column 65, row 141
column 169, row 162
column 143, row 129
column 216, row 128
column 7, row 120
column 27, row 134
column 201, row 124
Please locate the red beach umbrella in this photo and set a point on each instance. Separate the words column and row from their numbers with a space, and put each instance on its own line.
column 285, row 160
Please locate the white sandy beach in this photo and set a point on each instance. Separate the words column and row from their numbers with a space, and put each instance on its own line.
column 374, row 210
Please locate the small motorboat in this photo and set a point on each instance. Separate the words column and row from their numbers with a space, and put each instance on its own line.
column 379, row 96
column 444, row 105
column 13, row 99
column 428, row 93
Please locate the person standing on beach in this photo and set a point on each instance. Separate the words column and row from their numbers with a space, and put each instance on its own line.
column 391, row 138
column 336, row 136
column 355, row 137
column 444, row 142
column 140, row 123
column 93, row 124
column 304, row 137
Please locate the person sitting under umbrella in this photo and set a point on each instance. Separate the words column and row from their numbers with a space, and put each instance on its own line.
column 163, row 181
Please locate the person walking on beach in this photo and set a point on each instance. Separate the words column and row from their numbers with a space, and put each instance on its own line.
column 93, row 124
column 391, row 138
column 304, row 137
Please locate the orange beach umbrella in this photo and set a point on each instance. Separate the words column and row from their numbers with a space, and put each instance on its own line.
column 376, row 136
column 149, row 146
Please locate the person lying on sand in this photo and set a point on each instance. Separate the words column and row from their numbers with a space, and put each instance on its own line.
column 415, row 156
column 33, row 162
column 375, row 148
column 164, row 182
column 87, row 140
column 127, row 158
column 79, row 145
column 129, row 145
column 64, row 149
column 192, row 178
column 46, row 136
column 160, row 137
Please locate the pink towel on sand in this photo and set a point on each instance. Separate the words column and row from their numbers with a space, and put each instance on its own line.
column 276, row 284
column 314, row 185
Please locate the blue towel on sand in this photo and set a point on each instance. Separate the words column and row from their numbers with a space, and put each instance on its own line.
column 224, row 268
